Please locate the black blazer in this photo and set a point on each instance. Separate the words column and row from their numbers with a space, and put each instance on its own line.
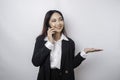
column 41, row 59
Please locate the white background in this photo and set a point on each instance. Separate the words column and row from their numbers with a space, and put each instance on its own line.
column 90, row 23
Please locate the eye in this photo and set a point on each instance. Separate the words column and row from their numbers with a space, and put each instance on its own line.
column 53, row 20
column 61, row 19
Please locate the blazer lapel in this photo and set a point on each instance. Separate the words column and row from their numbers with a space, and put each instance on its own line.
column 65, row 46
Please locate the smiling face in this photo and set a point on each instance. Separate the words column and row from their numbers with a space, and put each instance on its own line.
column 56, row 21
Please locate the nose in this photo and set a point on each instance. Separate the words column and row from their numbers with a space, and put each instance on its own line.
column 58, row 23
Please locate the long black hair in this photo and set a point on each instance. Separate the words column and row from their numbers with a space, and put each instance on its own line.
column 46, row 22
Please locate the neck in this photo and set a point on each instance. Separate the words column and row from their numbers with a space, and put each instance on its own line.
column 57, row 36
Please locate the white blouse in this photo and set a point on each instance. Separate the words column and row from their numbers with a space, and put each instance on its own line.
column 55, row 54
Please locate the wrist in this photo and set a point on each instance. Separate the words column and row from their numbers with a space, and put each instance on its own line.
column 86, row 51
column 51, row 40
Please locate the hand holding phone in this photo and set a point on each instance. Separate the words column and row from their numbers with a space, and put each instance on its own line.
column 50, row 33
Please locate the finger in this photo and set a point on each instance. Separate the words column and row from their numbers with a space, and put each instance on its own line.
column 52, row 31
column 94, row 50
column 52, row 28
column 99, row 49
column 49, row 29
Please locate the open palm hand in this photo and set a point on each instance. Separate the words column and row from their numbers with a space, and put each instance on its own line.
column 88, row 50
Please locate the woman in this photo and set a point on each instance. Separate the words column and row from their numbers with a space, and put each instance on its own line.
column 54, row 52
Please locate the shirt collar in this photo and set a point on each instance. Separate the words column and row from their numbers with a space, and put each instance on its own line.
column 63, row 37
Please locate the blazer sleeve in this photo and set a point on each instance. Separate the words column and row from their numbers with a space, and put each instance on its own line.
column 76, row 59
column 40, row 53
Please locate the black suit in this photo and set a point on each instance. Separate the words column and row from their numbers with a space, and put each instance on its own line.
column 41, row 57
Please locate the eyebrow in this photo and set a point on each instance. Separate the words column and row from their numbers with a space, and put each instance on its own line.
column 59, row 17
